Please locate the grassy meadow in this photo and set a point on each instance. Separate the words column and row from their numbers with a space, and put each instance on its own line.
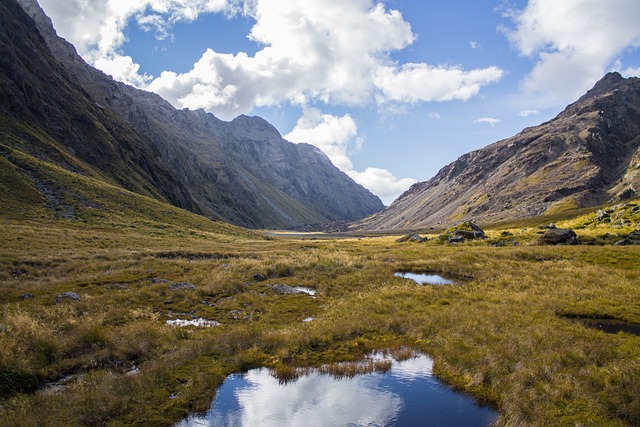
column 505, row 333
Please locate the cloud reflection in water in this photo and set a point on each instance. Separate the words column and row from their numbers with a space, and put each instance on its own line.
column 258, row 399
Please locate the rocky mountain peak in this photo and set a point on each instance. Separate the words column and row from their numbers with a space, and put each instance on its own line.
column 608, row 83
column 253, row 128
column 589, row 154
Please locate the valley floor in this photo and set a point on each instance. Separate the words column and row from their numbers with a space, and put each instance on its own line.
column 84, row 338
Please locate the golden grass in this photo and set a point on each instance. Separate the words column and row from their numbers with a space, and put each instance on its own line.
column 500, row 334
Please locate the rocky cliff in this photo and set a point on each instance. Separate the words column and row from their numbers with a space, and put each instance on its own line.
column 587, row 155
column 241, row 171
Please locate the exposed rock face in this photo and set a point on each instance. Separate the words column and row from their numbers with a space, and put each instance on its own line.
column 587, row 155
column 241, row 171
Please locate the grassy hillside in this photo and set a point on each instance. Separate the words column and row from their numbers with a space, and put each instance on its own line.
column 510, row 332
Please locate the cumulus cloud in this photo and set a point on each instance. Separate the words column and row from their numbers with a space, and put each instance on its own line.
column 574, row 42
column 421, row 82
column 338, row 138
column 319, row 50
column 488, row 120
column 123, row 68
column 329, row 51
column 382, row 183
column 96, row 28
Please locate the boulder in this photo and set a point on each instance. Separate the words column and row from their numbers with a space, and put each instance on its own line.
column 412, row 237
column 259, row 277
column 456, row 239
column 469, row 235
column 559, row 236
column 468, row 230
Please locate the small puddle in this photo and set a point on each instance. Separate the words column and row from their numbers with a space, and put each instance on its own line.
column 198, row 323
column 406, row 394
column 425, row 279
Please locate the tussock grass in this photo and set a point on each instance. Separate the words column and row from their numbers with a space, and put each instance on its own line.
column 501, row 333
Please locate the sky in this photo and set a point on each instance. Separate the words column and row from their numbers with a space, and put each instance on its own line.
column 390, row 90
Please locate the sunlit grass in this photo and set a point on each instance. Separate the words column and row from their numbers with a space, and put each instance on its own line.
column 501, row 333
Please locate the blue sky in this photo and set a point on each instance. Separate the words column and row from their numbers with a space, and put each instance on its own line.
column 392, row 91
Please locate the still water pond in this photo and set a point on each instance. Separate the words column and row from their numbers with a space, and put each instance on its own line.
column 406, row 395
column 425, row 279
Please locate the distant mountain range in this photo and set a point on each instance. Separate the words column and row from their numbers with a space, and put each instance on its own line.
column 57, row 109
column 589, row 154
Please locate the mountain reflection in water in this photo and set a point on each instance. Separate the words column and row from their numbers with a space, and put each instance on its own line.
column 406, row 395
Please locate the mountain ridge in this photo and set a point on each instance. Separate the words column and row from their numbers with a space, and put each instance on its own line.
column 241, row 171
column 586, row 155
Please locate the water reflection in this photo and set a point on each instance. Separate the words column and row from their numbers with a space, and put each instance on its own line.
column 425, row 279
column 406, row 395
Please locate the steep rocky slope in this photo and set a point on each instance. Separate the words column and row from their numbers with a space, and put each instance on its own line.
column 242, row 171
column 587, row 155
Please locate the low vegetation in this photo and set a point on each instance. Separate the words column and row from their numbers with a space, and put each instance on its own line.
column 505, row 333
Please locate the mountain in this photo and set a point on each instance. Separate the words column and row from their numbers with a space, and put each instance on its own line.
column 585, row 156
column 242, row 171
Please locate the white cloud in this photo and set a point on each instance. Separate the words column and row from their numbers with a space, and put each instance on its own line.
column 338, row 137
column 527, row 113
column 124, row 69
column 96, row 27
column 328, row 51
column 488, row 120
column 474, row 45
column 421, row 82
column 435, row 115
column 382, row 183
column 335, row 136
column 574, row 42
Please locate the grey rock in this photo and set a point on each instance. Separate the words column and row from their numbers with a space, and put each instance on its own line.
column 159, row 280
column 456, row 239
column 412, row 237
column 559, row 236
column 181, row 286
column 259, row 277
column 286, row 289
column 67, row 295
